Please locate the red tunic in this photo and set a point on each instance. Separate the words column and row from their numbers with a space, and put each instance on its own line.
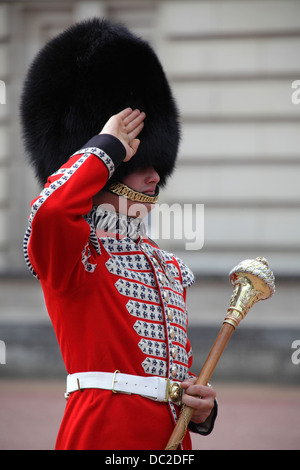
column 113, row 307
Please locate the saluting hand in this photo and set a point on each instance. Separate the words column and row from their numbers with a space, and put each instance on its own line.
column 126, row 126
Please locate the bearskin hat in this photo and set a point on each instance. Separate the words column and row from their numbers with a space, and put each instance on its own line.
column 79, row 80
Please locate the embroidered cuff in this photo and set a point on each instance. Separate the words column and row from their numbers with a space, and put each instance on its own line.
column 110, row 145
column 205, row 428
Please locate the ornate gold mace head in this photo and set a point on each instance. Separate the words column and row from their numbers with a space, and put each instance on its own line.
column 252, row 281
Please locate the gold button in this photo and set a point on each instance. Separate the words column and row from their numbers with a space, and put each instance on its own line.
column 174, row 371
column 166, row 296
column 170, row 314
column 172, row 333
column 174, row 353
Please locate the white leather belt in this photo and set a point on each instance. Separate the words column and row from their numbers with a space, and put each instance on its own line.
column 155, row 388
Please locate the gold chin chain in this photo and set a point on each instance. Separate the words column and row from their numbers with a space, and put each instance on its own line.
column 122, row 190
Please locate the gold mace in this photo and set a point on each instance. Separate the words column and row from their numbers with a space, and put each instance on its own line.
column 252, row 281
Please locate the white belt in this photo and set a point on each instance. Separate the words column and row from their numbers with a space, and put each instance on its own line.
column 155, row 388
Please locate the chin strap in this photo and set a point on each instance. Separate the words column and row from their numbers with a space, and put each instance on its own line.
column 122, row 190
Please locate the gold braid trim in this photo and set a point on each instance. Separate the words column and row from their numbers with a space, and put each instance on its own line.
column 122, row 190
column 176, row 444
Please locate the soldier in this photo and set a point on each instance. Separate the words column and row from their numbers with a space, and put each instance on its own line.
column 116, row 300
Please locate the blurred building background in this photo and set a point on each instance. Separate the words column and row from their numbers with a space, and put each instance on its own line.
column 231, row 64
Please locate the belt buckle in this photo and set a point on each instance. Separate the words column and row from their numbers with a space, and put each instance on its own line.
column 174, row 392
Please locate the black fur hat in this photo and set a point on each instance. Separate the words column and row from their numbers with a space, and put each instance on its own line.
column 79, row 79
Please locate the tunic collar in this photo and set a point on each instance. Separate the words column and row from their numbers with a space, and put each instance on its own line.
column 113, row 222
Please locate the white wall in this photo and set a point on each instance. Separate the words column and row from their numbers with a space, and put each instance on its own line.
column 232, row 65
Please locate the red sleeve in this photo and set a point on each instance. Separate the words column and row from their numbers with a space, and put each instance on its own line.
column 58, row 234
